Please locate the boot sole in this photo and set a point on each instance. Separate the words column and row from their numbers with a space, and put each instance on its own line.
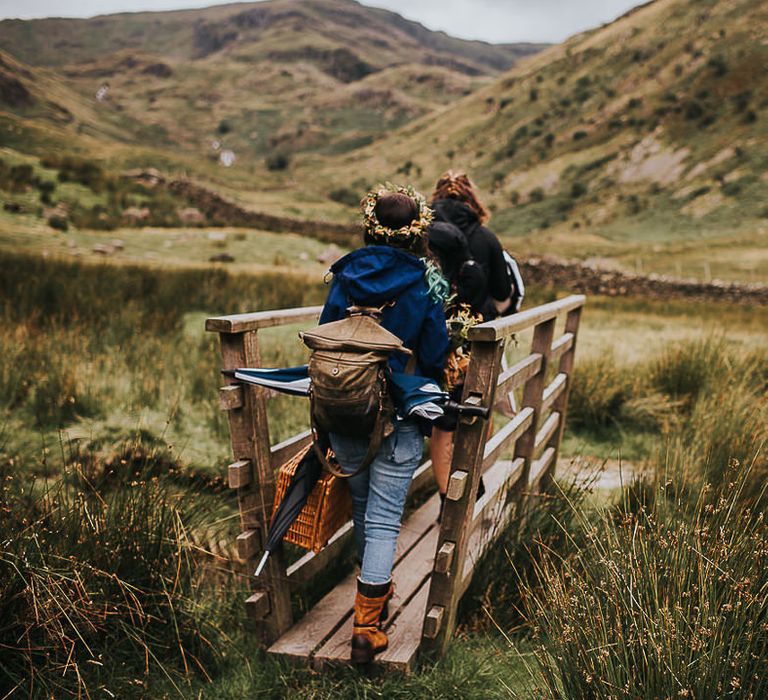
column 365, row 656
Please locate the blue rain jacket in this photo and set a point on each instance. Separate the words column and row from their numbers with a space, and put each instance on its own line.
column 375, row 275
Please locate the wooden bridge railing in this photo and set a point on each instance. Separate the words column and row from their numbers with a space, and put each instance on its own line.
column 468, row 527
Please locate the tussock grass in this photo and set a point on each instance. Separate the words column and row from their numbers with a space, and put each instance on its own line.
column 665, row 600
column 665, row 596
column 100, row 588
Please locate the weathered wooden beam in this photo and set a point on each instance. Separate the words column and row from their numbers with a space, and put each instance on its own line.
column 444, row 557
column 433, row 621
column 313, row 563
column 561, row 403
column 540, row 467
column 239, row 473
column 257, row 606
column 242, row 323
column 249, row 432
column 553, row 391
column 518, row 374
column 457, row 482
column 469, row 443
column 289, row 448
column 506, row 437
column 231, row 397
column 507, row 325
column 561, row 346
column 248, row 544
column 545, row 433
column 533, row 394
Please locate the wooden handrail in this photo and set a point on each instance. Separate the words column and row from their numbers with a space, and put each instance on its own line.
column 242, row 323
column 505, row 326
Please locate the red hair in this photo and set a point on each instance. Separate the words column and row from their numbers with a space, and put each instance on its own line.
column 456, row 185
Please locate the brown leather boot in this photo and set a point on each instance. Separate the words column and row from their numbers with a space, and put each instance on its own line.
column 368, row 638
column 385, row 610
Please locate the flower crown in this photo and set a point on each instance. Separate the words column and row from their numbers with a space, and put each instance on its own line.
column 418, row 227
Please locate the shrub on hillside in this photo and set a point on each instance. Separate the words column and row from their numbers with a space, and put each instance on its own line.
column 278, row 161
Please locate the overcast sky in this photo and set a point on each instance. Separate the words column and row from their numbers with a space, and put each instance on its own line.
column 491, row 20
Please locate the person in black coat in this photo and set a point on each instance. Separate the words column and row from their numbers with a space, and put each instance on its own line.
column 473, row 261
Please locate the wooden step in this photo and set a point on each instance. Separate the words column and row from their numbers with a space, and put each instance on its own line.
column 324, row 632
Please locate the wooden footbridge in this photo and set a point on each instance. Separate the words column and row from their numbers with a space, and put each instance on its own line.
column 434, row 562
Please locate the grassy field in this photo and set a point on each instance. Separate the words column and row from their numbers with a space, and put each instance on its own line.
column 109, row 416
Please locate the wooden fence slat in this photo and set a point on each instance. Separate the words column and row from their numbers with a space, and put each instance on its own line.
column 288, row 449
column 457, row 483
column 560, row 405
column 561, row 346
column 545, row 433
column 491, row 515
column 249, row 433
column 248, row 544
column 257, row 606
column 239, row 474
column 533, row 391
column 518, row 374
column 506, row 437
column 444, row 557
column 552, row 392
column 540, row 466
column 242, row 323
column 231, row 397
column 469, row 442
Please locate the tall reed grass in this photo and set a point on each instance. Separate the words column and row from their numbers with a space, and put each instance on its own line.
column 666, row 596
column 100, row 588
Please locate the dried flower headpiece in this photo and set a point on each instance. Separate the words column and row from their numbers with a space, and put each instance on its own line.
column 418, row 227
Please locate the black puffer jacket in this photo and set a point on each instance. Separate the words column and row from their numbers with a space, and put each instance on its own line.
column 485, row 249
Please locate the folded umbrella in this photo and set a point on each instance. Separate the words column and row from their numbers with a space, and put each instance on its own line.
column 295, row 498
column 413, row 395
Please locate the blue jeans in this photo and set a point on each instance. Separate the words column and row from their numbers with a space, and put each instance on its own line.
column 379, row 493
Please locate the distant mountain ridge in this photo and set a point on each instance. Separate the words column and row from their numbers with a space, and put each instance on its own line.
column 254, row 79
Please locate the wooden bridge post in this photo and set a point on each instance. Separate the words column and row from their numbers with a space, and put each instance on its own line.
column 447, row 577
column 533, row 393
column 560, row 405
column 253, row 476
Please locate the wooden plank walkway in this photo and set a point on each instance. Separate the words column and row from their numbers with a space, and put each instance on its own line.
column 434, row 564
column 322, row 636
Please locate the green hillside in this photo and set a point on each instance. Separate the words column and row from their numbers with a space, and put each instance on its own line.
column 642, row 144
column 651, row 130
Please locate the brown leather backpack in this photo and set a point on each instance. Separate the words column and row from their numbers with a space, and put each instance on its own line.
column 348, row 374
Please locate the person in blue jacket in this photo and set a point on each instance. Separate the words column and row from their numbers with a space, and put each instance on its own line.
column 390, row 270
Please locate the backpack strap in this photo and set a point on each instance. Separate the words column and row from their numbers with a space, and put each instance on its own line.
column 377, row 437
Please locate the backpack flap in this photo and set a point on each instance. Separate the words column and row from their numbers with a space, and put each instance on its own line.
column 353, row 334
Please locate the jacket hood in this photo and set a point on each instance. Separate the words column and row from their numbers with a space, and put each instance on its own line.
column 377, row 274
column 457, row 213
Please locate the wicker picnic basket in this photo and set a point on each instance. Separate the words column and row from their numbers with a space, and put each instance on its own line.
column 328, row 507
